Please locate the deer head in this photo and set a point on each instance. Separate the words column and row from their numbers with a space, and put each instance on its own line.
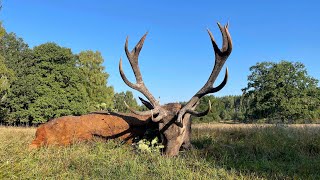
column 174, row 118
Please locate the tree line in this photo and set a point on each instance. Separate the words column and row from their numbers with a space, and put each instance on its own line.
column 276, row 93
column 49, row 81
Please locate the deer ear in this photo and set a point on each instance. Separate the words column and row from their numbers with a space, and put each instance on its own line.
column 146, row 103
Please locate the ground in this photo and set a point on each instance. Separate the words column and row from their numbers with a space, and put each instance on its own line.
column 221, row 151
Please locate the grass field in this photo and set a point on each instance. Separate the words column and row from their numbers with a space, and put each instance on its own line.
column 221, row 152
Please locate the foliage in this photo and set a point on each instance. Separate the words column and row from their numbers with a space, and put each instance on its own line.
column 150, row 142
column 146, row 146
column 95, row 77
column 6, row 78
column 281, row 91
column 48, row 83
column 16, row 52
column 120, row 98
column 16, row 56
column 223, row 108
column 6, row 74
column 60, row 87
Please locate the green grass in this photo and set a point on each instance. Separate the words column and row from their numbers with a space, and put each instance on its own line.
column 221, row 152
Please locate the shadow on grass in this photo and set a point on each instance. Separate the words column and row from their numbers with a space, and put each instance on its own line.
column 270, row 152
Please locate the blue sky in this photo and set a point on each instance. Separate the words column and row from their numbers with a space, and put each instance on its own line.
column 177, row 57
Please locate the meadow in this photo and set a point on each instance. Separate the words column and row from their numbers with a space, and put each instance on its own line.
column 221, row 151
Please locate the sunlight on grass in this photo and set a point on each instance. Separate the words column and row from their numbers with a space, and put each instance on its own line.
column 221, row 152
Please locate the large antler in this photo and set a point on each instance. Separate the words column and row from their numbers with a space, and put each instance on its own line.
column 140, row 86
column 221, row 56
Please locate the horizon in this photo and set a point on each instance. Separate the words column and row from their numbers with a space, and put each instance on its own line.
column 177, row 40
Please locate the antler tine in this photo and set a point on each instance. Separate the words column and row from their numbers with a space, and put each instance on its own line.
column 139, row 85
column 133, row 59
column 199, row 114
column 221, row 56
column 142, row 113
column 224, row 36
column 146, row 103
column 133, row 56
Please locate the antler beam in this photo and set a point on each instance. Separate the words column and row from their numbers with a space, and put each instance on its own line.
column 221, row 56
column 139, row 85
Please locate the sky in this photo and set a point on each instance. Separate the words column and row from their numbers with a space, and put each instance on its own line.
column 177, row 57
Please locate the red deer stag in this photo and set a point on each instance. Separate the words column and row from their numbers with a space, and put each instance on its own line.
column 174, row 118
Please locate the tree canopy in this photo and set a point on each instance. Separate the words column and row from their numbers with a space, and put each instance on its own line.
column 281, row 92
column 49, row 81
column 223, row 109
column 6, row 74
column 95, row 79
column 120, row 98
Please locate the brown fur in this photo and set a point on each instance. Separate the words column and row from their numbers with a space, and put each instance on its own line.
column 68, row 129
column 173, row 136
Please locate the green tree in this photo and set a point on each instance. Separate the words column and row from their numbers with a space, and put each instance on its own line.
column 17, row 57
column 225, row 115
column 317, row 113
column 6, row 78
column 238, row 109
column 48, row 84
column 223, row 108
column 127, row 96
column 6, row 74
column 228, row 107
column 281, row 92
column 60, row 89
column 16, row 53
column 90, row 65
column 214, row 114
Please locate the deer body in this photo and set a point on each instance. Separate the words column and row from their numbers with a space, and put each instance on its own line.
column 69, row 129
